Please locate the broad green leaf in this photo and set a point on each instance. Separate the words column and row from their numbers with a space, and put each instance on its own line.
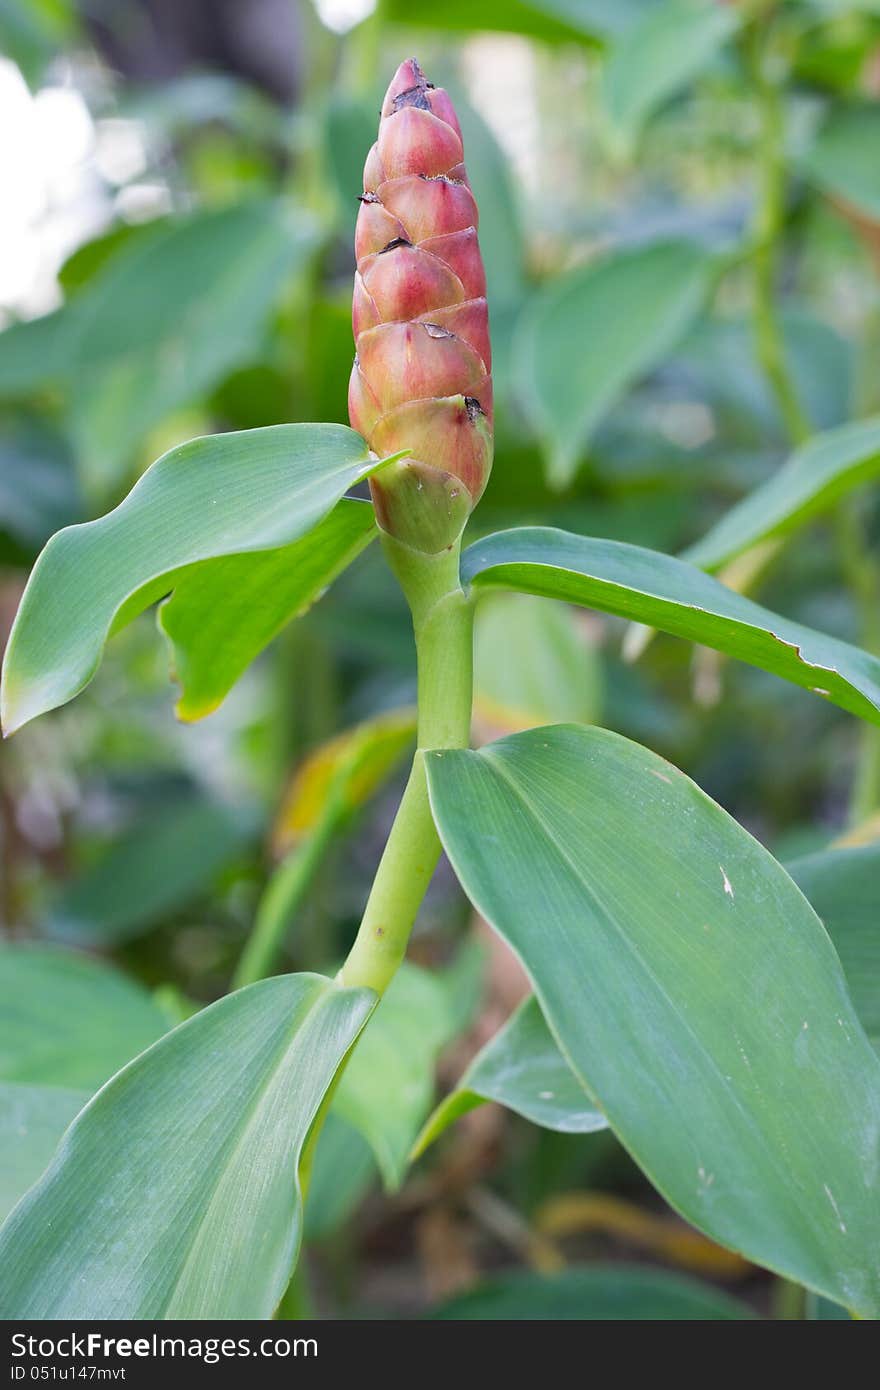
column 842, row 160
column 663, row 592
column 167, row 316
column 224, row 612
column 387, row 1088
column 32, row 1120
column 522, row 1069
column 122, row 894
column 554, row 20
column 595, row 1293
column 591, row 334
column 532, row 665
column 816, row 475
column 843, row 886
column 69, row 1020
column 660, row 55
column 194, row 1210
column 690, row 985
column 221, row 495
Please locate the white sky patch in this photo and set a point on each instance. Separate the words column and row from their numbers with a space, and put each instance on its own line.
column 52, row 195
column 341, row 15
column 499, row 70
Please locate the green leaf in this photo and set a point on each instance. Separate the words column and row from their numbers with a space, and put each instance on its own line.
column 343, row 1172
column 221, row 495
column 33, row 354
column 340, row 776
column 194, row 1210
column 822, row 470
column 38, row 488
column 522, row 1069
column 32, row 1120
column 224, row 612
column 588, row 336
column 121, row 895
column 660, row 55
column 387, row 1088
column 843, row 886
column 69, row 1020
column 691, row 986
column 33, row 31
column 554, row 20
column 663, row 592
column 598, row 1293
column 532, row 664
column 166, row 317
column 842, row 160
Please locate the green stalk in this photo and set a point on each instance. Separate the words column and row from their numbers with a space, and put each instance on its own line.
column 443, row 629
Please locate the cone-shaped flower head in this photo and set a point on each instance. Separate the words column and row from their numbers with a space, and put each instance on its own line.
column 421, row 379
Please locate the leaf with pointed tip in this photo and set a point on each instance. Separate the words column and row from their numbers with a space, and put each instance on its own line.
column 592, row 333
column 32, row 1121
column 221, row 495
column 223, row 612
column 666, row 593
column 194, row 1211
column 809, row 483
column 691, row 987
column 67, row 1019
column 522, row 1069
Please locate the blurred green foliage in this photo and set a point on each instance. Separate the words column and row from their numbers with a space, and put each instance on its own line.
column 636, row 164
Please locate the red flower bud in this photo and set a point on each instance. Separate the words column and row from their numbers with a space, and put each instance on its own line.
column 421, row 379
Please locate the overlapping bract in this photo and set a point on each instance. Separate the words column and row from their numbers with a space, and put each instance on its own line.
column 421, row 378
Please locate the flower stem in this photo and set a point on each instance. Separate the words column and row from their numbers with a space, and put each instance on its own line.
column 443, row 628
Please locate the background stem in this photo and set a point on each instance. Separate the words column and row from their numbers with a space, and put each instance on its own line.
column 767, row 229
column 768, row 226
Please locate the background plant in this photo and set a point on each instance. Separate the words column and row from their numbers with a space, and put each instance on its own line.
column 715, row 228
